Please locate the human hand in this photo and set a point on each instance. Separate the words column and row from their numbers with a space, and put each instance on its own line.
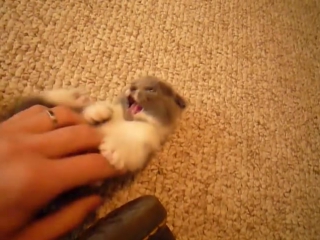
column 36, row 166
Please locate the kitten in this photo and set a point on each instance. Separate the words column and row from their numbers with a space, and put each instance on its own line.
column 135, row 125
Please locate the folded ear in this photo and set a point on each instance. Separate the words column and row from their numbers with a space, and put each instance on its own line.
column 180, row 101
column 168, row 90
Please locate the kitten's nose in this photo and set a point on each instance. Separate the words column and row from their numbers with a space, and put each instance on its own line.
column 140, row 96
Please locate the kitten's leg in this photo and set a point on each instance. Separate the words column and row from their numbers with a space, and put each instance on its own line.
column 128, row 145
column 74, row 98
column 97, row 112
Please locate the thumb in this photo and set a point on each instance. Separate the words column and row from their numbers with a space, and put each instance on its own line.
column 61, row 222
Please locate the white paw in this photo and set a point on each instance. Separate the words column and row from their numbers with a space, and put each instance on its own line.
column 123, row 156
column 77, row 98
column 113, row 154
column 97, row 112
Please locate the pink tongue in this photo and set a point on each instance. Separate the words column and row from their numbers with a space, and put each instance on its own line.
column 135, row 108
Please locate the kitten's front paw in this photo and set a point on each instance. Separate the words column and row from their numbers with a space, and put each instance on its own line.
column 123, row 156
column 97, row 112
column 76, row 98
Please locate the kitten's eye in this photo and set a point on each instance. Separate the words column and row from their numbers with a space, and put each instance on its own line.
column 133, row 88
column 150, row 89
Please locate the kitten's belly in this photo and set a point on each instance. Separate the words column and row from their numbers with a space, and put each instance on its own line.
column 134, row 132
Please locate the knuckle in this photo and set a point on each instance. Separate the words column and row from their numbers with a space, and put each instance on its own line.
column 38, row 108
column 9, row 146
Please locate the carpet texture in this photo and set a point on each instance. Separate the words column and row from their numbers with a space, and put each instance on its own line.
column 244, row 163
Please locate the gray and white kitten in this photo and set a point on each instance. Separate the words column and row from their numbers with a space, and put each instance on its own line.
column 135, row 125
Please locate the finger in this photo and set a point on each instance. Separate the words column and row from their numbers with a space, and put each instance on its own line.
column 25, row 114
column 80, row 170
column 61, row 222
column 65, row 141
column 16, row 122
column 42, row 122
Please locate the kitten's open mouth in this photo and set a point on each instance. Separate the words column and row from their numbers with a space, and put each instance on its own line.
column 133, row 106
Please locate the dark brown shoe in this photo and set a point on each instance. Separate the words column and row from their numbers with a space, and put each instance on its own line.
column 143, row 218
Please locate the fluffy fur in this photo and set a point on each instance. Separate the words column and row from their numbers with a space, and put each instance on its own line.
column 135, row 124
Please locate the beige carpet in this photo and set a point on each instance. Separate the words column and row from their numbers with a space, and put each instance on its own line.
column 244, row 163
